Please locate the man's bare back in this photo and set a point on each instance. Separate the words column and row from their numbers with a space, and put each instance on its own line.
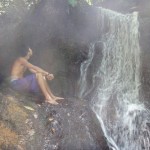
column 18, row 68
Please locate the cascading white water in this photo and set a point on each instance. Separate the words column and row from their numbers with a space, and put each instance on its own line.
column 115, row 98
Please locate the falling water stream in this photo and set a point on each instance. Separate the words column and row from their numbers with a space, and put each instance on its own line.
column 115, row 83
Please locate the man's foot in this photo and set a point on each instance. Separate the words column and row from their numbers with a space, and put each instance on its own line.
column 58, row 98
column 52, row 102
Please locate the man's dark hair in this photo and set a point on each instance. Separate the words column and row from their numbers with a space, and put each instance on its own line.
column 23, row 49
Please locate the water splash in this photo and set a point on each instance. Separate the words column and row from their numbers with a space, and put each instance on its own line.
column 115, row 98
column 83, row 72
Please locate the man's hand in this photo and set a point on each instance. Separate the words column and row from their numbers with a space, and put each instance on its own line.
column 50, row 76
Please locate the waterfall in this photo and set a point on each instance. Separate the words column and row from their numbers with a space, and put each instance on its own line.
column 115, row 83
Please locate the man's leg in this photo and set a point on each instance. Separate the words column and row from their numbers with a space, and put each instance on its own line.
column 49, row 91
column 44, row 90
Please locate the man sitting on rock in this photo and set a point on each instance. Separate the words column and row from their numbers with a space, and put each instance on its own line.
column 35, row 82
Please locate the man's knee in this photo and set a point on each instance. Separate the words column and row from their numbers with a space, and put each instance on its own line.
column 40, row 75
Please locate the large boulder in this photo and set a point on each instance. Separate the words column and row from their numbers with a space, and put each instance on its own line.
column 26, row 123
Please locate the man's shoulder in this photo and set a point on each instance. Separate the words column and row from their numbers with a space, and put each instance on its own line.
column 21, row 60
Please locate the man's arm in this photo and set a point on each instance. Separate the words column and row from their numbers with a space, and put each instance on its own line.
column 48, row 76
column 33, row 68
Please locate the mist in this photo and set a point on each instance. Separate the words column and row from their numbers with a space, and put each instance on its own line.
column 58, row 33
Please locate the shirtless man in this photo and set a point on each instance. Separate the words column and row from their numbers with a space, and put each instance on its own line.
column 35, row 82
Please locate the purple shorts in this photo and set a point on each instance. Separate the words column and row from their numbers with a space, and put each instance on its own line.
column 26, row 84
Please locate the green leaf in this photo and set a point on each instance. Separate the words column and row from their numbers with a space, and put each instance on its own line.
column 89, row 2
column 72, row 2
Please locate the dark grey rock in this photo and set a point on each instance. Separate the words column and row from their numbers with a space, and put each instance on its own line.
column 69, row 125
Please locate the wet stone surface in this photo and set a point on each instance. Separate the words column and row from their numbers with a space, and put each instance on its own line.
column 69, row 125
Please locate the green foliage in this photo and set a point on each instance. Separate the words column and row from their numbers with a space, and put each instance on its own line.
column 5, row 5
column 72, row 2
column 89, row 2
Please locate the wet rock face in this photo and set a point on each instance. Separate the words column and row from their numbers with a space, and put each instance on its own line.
column 144, row 20
column 69, row 125
column 143, row 7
